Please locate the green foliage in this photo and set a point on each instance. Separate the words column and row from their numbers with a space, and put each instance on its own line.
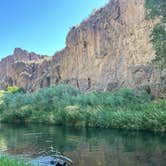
column 159, row 42
column 1, row 93
column 9, row 161
column 14, row 89
column 65, row 105
column 154, row 117
column 157, row 8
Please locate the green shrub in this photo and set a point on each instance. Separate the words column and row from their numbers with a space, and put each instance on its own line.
column 14, row 89
column 18, row 116
column 159, row 42
column 124, row 109
column 154, row 117
column 157, row 8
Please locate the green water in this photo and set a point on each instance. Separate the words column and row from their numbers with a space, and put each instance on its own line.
column 92, row 147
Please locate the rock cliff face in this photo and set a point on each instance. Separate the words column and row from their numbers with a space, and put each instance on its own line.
column 107, row 51
column 20, row 69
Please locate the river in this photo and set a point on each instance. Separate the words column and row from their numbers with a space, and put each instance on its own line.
column 86, row 147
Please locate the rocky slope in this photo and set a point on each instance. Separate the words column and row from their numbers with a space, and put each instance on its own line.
column 107, row 51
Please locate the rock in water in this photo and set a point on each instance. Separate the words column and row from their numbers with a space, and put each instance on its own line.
column 49, row 161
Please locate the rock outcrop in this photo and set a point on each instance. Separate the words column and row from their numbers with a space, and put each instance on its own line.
column 107, row 51
column 21, row 69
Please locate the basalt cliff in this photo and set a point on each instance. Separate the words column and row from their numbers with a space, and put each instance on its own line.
column 109, row 50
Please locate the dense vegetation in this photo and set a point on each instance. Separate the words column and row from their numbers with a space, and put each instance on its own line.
column 65, row 105
column 9, row 161
column 157, row 8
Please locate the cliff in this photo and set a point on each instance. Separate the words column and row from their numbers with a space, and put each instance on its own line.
column 107, row 51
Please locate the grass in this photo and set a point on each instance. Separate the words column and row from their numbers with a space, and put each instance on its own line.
column 66, row 105
column 9, row 161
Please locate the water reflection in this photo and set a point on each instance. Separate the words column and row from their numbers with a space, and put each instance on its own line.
column 92, row 147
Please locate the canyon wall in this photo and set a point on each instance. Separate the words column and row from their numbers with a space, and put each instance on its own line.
column 109, row 50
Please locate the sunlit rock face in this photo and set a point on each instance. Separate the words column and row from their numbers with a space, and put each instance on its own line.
column 103, row 47
column 107, row 51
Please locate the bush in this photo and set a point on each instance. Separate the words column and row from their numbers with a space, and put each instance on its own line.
column 60, row 105
column 157, row 8
column 14, row 89
column 18, row 116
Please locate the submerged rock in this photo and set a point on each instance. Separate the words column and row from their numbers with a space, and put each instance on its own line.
column 49, row 161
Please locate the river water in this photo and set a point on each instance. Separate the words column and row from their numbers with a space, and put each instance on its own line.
column 86, row 147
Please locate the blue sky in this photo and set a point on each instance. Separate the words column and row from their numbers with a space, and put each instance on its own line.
column 40, row 25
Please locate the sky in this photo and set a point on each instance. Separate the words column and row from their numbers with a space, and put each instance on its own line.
column 40, row 26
